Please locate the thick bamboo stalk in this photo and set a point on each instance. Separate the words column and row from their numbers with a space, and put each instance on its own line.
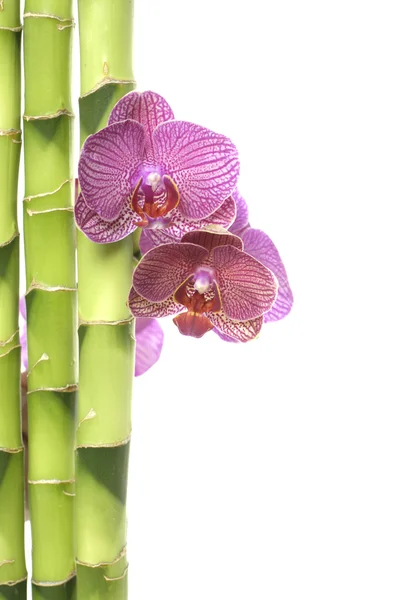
column 12, row 553
column 51, row 297
column 106, row 329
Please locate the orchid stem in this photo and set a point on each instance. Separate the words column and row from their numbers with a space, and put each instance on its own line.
column 106, row 332
column 51, row 297
column 12, row 554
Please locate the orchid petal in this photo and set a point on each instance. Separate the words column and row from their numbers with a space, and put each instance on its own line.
column 163, row 269
column 242, row 214
column 100, row 231
column 149, row 338
column 240, row 331
column 22, row 307
column 180, row 225
column 149, row 109
column 23, row 337
column 248, row 289
column 109, row 167
column 261, row 247
column 204, row 165
column 193, row 324
column 210, row 239
column 142, row 308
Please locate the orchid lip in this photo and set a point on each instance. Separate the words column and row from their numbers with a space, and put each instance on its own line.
column 153, row 198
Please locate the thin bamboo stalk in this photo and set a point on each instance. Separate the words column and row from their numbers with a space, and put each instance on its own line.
column 12, row 553
column 51, row 297
column 106, row 334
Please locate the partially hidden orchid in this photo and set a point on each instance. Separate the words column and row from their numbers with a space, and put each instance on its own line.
column 259, row 245
column 208, row 281
column 147, row 170
column 148, row 346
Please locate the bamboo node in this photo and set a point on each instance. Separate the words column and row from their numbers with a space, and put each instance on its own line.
column 49, row 481
column 121, row 555
column 43, row 195
column 72, row 387
column 13, row 29
column 105, row 445
column 12, row 238
column 34, row 15
column 10, row 132
column 82, row 322
column 48, row 288
column 12, row 450
column 109, row 80
column 118, row 578
column 54, row 583
column 61, row 112
column 32, row 213
column 12, row 583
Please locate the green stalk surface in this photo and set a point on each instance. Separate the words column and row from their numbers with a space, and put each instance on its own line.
column 51, row 297
column 12, row 554
column 106, row 334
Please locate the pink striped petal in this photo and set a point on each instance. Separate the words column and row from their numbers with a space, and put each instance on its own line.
column 247, row 288
column 242, row 214
column 147, row 108
column 259, row 245
column 239, row 331
column 22, row 307
column 109, row 167
column 211, row 239
column 142, row 308
column 204, row 165
column 180, row 225
column 149, row 338
column 100, row 231
column 163, row 269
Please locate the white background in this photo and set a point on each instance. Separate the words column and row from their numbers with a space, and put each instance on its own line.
column 268, row 471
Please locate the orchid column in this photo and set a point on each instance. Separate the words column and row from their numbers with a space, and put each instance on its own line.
column 51, row 296
column 12, row 555
column 105, row 328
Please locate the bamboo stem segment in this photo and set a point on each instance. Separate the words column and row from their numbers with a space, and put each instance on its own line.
column 51, row 298
column 106, row 333
column 12, row 553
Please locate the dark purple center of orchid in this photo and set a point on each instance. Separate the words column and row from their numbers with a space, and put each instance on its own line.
column 155, row 195
column 200, row 295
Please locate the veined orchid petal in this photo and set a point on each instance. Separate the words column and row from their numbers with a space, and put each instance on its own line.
column 163, row 269
column 239, row 331
column 204, row 165
column 100, row 231
column 248, row 289
column 261, row 247
column 149, row 109
column 109, row 167
column 149, row 342
column 142, row 308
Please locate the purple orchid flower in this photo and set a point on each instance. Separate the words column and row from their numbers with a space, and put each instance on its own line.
column 148, row 334
column 147, row 170
column 260, row 246
column 210, row 281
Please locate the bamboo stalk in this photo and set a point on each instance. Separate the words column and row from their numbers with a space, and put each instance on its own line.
column 12, row 553
column 51, row 297
column 106, row 329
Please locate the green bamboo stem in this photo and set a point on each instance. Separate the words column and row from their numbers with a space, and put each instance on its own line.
column 106, row 329
column 12, row 553
column 51, row 297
